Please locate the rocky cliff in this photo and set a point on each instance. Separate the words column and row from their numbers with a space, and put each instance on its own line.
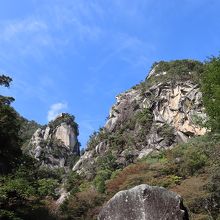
column 56, row 145
column 144, row 202
column 153, row 115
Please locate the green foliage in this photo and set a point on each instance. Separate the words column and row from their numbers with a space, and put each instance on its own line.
column 23, row 186
column 199, row 120
column 190, row 169
column 193, row 160
column 65, row 117
column 5, row 81
column 155, row 157
column 167, row 132
column 82, row 205
column 96, row 138
column 20, row 185
column 73, row 182
column 106, row 165
column 47, row 173
column 188, row 159
column 26, row 131
column 46, row 187
column 177, row 70
column 107, row 162
column 100, row 179
column 14, row 194
column 9, row 129
column 8, row 215
column 71, row 160
column 211, row 92
column 23, row 190
column 117, row 140
column 144, row 117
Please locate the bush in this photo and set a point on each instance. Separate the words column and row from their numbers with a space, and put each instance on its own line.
column 144, row 118
column 107, row 162
column 211, row 92
column 177, row 70
column 167, row 132
column 47, row 173
column 185, row 160
column 14, row 196
column 46, row 187
column 100, row 179
column 81, row 205
column 73, row 182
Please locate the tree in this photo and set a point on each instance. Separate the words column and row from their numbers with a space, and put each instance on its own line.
column 10, row 151
column 211, row 92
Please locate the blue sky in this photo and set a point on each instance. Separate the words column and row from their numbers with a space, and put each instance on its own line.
column 77, row 55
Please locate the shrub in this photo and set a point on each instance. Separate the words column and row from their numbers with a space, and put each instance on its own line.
column 167, row 132
column 100, row 179
column 46, row 187
column 144, row 118
column 80, row 205
column 14, row 196
column 73, row 181
column 177, row 70
column 211, row 92
column 107, row 162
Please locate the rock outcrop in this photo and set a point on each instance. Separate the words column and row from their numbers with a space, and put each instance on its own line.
column 144, row 202
column 156, row 114
column 56, row 144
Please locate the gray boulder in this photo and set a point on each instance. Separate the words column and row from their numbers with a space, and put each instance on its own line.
column 144, row 202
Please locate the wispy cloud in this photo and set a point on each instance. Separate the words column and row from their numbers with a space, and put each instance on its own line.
column 25, row 37
column 54, row 26
column 81, row 16
column 127, row 48
column 12, row 29
column 56, row 109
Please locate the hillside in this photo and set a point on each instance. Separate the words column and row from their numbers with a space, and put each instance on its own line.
column 153, row 115
column 160, row 133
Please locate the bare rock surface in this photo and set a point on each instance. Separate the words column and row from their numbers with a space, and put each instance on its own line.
column 148, row 117
column 55, row 143
column 144, row 202
column 173, row 106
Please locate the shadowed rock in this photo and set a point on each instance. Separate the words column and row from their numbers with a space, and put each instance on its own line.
column 144, row 202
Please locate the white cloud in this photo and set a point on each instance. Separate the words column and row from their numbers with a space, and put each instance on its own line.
column 11, row 29
column 55, row 110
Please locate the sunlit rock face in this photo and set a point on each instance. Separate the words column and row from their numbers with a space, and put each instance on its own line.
column 144, row 202
column 66, row 134
column 151, row 116
column 56, row 144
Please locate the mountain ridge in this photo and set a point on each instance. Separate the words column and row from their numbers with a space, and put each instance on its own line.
column 149, row 117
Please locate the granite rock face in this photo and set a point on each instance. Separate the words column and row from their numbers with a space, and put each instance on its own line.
column 149, row 117
column 54, row 144
column 144, row 202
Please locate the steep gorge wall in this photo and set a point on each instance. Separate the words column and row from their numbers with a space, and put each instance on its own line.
column 154, row 115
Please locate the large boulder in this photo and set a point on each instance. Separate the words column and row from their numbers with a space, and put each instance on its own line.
column 144, row 202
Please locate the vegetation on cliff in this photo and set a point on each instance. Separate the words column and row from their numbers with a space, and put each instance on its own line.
column 28, row 191
column 190, row 169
